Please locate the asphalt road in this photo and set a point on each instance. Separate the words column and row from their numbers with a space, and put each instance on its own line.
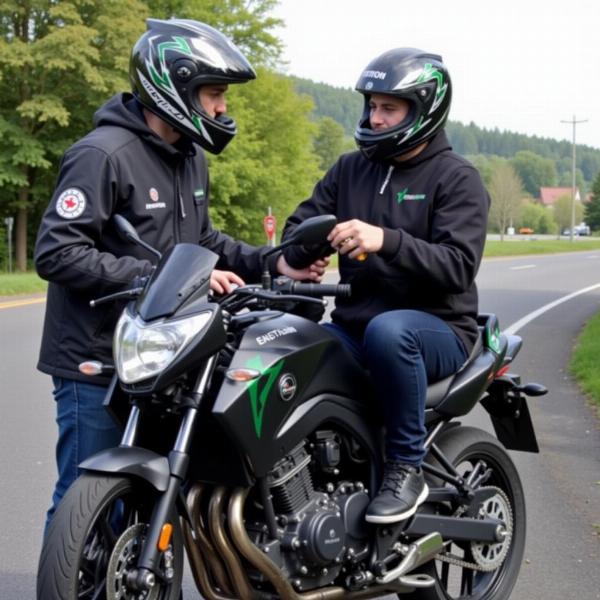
column 562, row 483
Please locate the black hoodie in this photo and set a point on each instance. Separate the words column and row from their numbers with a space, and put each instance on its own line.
column 121, row 167
column 433, row 209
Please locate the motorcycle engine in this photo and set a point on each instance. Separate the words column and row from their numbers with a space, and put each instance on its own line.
column 320, row 530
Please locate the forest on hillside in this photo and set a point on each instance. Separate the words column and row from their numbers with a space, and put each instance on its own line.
column 344, row 105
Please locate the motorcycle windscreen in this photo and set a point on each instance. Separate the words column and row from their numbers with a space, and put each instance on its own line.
column 183, row 273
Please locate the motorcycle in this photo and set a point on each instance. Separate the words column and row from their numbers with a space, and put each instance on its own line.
column 251, row 444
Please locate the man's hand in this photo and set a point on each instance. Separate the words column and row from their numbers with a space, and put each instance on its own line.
column 313, row 272
column 221, row 281
column 355, row 238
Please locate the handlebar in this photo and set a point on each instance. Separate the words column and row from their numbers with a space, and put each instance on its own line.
column 316, row 290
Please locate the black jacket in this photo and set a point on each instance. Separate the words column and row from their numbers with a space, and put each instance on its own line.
column 119, row 167
column 433, row 209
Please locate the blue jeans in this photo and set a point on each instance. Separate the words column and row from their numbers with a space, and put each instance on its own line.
column 404, row 350
column 84, row 428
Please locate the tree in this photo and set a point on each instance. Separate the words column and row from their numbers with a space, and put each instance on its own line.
column 592, row 209
column 506, row 191
column 535, row 171
column 270, row 163
column 566, row 180
column 562, row 212
column 247, row 22
column 329, row 142
column 58, row 60
column 536, row 217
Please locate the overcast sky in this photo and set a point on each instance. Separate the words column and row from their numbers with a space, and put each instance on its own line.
column 519, row 65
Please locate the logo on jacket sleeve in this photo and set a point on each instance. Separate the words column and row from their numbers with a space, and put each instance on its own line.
column 71, row 203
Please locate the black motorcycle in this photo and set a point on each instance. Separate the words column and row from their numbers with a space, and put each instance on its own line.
column 252, row 440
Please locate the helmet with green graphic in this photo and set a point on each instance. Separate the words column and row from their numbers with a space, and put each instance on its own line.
column 168, row 65
column 423, row 81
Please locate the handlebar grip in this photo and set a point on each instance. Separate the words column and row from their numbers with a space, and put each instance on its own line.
column 341, row 290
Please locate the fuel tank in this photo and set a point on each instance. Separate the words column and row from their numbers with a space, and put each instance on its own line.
column 302, row 373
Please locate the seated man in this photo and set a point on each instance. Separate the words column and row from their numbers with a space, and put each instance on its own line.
column 412, row 219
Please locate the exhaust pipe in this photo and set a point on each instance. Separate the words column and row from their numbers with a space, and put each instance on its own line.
column 282, row 586
column 200, row 548
column 216, row 525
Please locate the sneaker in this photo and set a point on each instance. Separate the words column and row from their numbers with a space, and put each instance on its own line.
column 402, row 491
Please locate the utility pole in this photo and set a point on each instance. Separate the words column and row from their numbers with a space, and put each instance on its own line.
column 573, row 122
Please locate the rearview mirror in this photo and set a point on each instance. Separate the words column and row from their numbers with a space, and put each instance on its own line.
column 312, row 231
column 125, row 229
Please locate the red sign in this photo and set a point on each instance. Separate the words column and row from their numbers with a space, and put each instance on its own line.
column 269, row 223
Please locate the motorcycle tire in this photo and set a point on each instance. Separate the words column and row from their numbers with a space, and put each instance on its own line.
column 96, row 514
column 463, row 446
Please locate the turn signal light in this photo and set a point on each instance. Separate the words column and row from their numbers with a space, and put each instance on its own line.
column 165, row 536
column 242, row 375
column 91, row 367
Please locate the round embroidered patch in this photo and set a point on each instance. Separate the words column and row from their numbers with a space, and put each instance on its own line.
column 153, row 194
column 71, row 203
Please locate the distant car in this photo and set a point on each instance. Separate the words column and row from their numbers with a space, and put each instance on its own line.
column 578, row 230
column 525, row 230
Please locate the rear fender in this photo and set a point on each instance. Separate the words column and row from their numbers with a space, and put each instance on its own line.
column 129, row 460
column 510, row 415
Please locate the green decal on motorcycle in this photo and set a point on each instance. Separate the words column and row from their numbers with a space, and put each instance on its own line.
column 258, row 400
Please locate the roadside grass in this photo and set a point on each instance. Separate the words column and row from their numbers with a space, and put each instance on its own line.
column 533, row 246
column 30, row 283
column 584, row 364
column 21, row 283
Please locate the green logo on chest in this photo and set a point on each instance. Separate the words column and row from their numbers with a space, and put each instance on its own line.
column 404, row 195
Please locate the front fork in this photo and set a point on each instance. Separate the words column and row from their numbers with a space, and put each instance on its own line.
column 147, row 564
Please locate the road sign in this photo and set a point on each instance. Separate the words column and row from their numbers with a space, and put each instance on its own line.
column 270, row 224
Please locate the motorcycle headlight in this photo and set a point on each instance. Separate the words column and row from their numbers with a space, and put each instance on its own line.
column 142, row 350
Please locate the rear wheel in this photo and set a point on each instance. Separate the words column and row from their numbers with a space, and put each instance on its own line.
column 94, row 541
column 478, row 571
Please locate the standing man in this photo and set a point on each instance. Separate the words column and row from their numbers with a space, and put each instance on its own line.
column 412, row 219
column 144, row 160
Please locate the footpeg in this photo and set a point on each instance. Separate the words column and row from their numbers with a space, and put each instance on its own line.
column 418, row 580
column 419, row 552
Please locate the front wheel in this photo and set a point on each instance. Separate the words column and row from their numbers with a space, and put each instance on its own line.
column 95, row 539
column 480, row 571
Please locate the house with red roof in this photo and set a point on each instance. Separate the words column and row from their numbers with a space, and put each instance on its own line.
column 549, row 195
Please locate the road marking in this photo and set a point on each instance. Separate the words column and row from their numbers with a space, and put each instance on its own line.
column 522, row 267
column 16, row 303
column 512, row 329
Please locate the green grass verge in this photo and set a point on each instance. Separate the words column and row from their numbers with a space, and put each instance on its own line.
column 584, row 364
column 516, row 248
column 21, row 283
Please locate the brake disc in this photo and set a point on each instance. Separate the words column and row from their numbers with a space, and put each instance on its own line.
column 122, row 560
column 490, row 556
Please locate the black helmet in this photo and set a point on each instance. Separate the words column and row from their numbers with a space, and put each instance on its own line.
column 171, row 61
column 419, row 78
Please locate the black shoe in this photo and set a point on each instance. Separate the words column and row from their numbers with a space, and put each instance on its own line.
column 403, row 489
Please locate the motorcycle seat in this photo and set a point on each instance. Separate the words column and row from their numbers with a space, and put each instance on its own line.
column 439, row 390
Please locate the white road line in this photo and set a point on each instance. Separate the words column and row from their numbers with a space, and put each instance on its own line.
column 519, row 268
column 512, row 329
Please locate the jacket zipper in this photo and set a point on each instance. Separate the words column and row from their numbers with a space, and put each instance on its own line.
column 387, row 180
column 179, row 210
